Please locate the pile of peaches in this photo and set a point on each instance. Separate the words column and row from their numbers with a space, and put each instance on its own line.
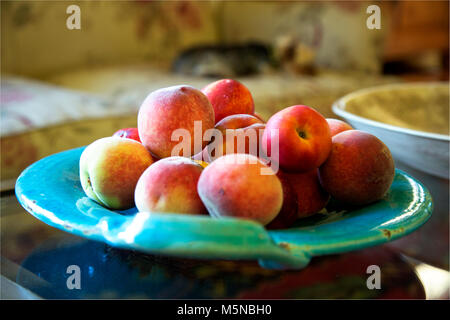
column 208, row 152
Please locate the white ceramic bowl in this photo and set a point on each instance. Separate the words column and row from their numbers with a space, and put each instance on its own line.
column 411, row 119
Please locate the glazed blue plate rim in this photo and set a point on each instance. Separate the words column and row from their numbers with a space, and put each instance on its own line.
column 43, row 186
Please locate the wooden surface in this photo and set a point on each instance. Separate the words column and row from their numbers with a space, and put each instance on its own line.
column 416, row 27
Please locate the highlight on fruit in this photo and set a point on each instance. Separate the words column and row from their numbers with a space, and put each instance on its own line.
column 206, row 152
column 227, row 141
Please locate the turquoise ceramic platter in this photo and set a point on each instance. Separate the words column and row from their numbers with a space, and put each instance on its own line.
column 50, row 190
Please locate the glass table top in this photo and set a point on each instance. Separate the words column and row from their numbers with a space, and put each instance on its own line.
column 41, row 260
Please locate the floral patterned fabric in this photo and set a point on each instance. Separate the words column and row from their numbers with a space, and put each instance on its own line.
column 28, row 105
column 38, row 119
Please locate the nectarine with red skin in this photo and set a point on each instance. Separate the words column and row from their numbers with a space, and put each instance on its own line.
column 359, row 170
column 303, row 136
column 289, row 210
column 311, row 197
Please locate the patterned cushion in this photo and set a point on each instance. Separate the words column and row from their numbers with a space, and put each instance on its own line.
column 38, row 119
column 29, row 105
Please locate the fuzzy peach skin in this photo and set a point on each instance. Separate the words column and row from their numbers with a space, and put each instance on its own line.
column 304, row 138
column 229, row 97
column 311, row 197
column 359, row 170
column 110, row 168
column 337, row 126
column 170, row 185
column 237, row 121
column 289, row 211
column 168, row 109
column 242, row 140
column 233, row 186
column 233, row 122
column 245, row 122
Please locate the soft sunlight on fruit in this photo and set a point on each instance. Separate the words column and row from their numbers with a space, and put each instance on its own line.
column 208, row 152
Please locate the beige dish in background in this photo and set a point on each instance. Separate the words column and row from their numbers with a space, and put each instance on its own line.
column 412, row 119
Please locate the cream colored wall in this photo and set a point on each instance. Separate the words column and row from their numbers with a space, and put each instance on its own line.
column 336, row 30
column 36, row 41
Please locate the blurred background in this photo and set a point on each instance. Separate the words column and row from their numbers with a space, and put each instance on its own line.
column 63, row 86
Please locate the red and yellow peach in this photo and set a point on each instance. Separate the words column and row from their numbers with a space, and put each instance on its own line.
column 233, row 186
column 170, row 185
column 110, row 168
column 169, row 109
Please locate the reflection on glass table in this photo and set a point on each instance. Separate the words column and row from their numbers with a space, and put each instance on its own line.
column 106, row 272
column 430, row 243
column 36, row 257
